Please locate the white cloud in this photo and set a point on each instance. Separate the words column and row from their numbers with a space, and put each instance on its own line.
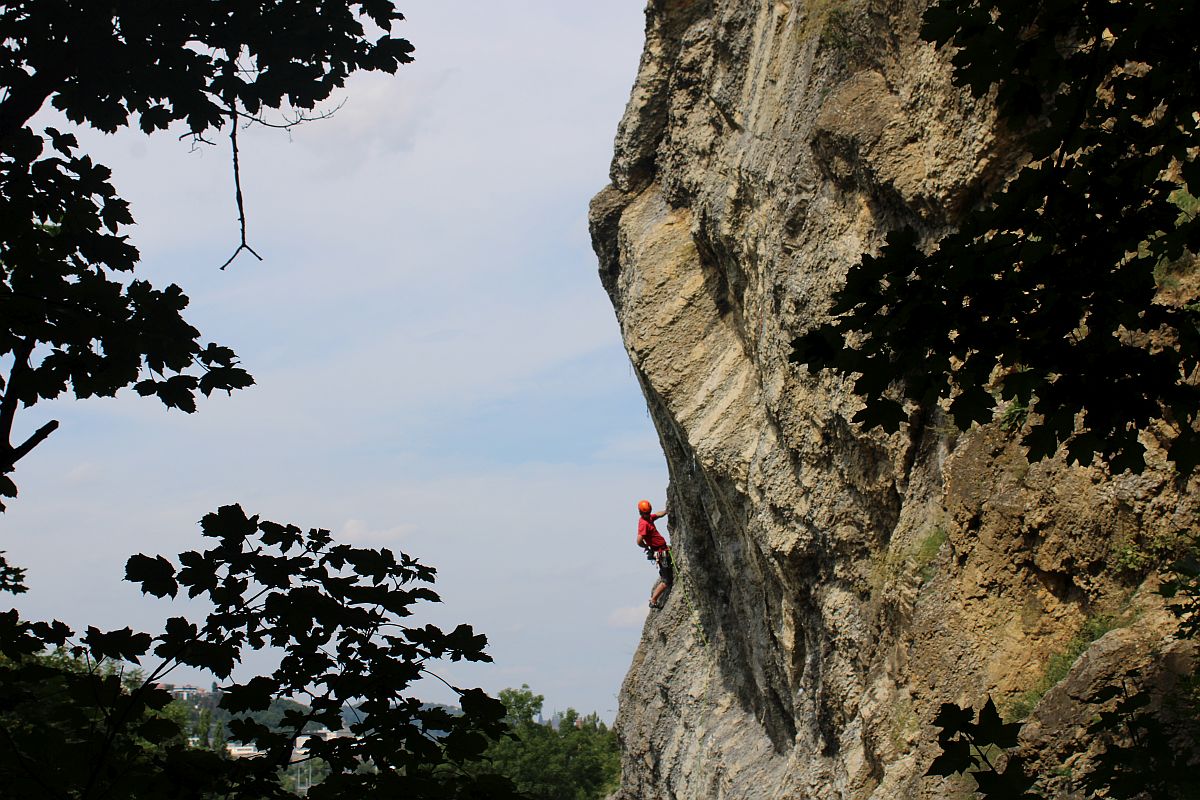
column 83, row 473
column 358, row 531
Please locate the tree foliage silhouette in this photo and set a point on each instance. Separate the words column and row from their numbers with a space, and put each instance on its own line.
column 1143, row 739
column 72, row 320
column 1045, row 295
column 68, row 321
column 971, row 746
column 335, row 615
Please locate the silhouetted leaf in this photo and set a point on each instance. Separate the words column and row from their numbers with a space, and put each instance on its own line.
column 952, row 719
column 882, row 413
column 1045, row 290
column 955, row 757
column 254, row 695
column 158, row 729
column 156, row 575
column 124, row 644
column 991, row 729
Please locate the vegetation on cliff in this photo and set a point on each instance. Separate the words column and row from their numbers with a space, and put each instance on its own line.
column 1068, row 294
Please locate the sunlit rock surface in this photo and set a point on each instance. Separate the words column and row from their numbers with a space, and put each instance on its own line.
column 842, row 585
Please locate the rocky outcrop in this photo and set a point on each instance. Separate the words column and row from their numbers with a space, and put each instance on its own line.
column 839, row 585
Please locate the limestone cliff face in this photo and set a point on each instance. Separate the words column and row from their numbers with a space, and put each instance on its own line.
column 838, row 585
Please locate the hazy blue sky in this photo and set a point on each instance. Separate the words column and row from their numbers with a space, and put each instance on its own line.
column 438, row 368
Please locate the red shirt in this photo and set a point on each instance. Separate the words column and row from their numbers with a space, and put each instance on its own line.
column 648, row 534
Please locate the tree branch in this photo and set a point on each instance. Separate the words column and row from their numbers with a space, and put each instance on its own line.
column 15, row 454
column 9, row 455
column 237, row 190
column 290, row 122
column 8, row 404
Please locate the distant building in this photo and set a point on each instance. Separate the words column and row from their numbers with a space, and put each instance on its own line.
column 182, row 692
column 242, row 750
column 300, row 747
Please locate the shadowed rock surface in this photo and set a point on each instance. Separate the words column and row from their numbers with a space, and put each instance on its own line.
column 845, row 584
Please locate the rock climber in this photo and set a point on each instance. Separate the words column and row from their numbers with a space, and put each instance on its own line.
column 650, row 540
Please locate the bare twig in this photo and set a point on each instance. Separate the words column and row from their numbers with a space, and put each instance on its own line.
column 285, row 122
column 237, row 190
column 197, row 140
column 290, row 122
column 449, row 685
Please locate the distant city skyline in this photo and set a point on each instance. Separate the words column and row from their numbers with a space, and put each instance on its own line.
column 438, row 369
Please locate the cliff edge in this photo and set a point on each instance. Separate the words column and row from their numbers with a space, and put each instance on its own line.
column 837, row 586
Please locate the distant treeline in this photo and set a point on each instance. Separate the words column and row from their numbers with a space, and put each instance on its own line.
column 575, row 759
column 569, row 757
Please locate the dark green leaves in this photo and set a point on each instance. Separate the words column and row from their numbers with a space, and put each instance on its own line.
column 7, row 488
column 178, row 391
column 1181, row 587
column 952, row 719
column 333, row 610
column 12, row 579
column 582, row 753
column 230, row 524
column 464, row 643
column 1142, row 747
column 974, row 404
column 68, row 322
column 1068, row 289
column 972, row 747
column 158, row 729
column 122, row 645
column 104, row 65
column 255, row 695
column 329, row 614
column 156, row 575
column 991, row 729
column 886, row 413
column 19, row 639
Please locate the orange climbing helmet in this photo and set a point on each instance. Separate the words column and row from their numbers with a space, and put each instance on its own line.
column 644, row 506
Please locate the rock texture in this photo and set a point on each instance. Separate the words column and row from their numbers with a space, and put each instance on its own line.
column 838, row 585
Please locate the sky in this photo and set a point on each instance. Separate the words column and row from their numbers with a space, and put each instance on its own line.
column 438, row 368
